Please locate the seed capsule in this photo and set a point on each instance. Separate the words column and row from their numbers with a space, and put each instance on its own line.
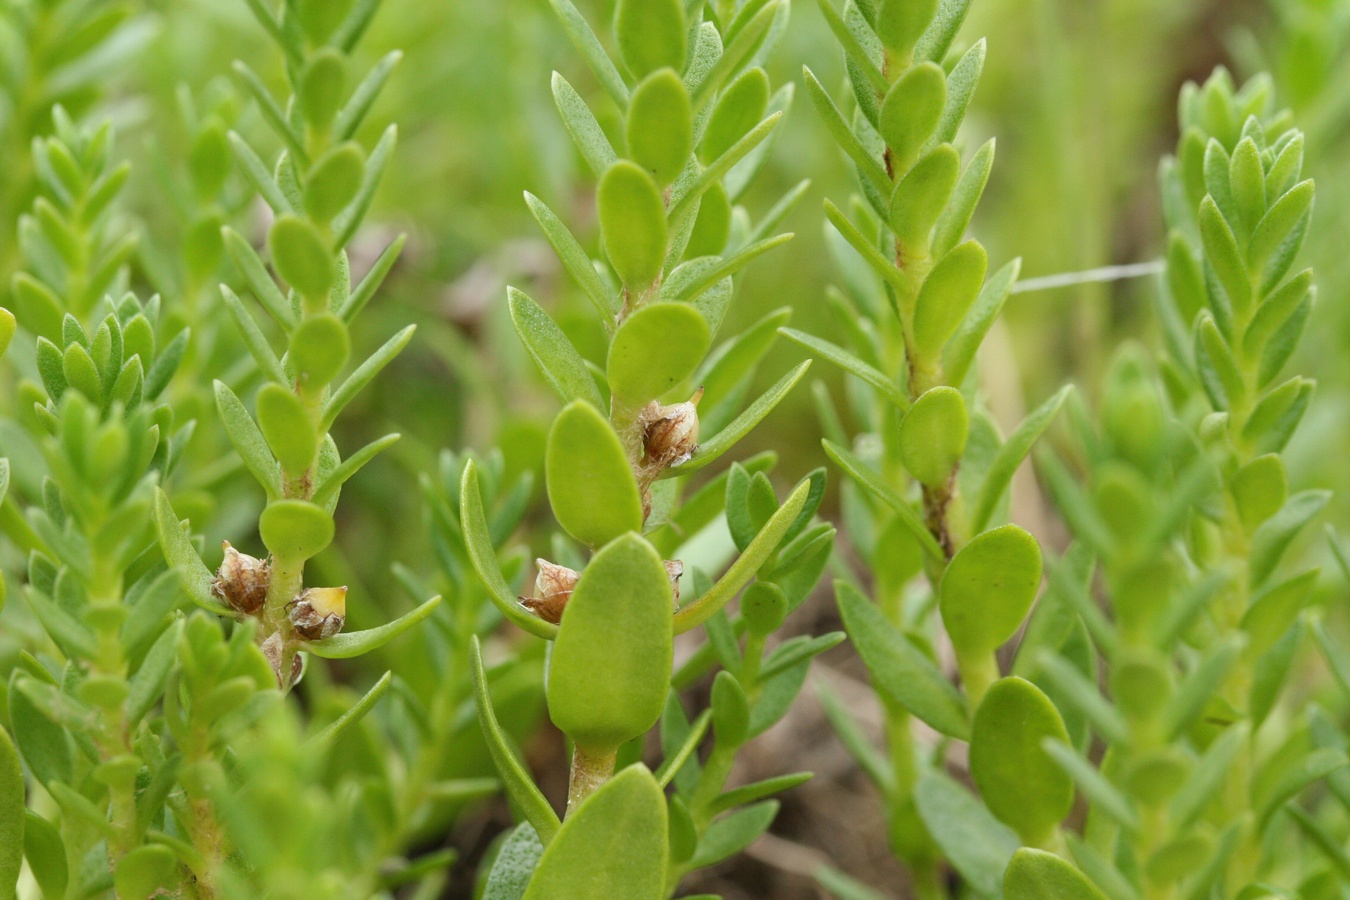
column 241, row 581
column 318, row 613
column 670, row 433
column 554, row 585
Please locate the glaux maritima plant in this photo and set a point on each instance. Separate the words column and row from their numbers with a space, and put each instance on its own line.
column 1187, row 517
column 149, row 748
column 697, row 113
column 931, row 470
column 128, row 715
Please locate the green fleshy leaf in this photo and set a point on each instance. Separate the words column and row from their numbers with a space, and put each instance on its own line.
column 911, row 111
column 920, row 197
column 519, row 785
column 849, row 363
column 286, row 428
column 1037, row 875
column 731, row 834
column 319, row 349
column 978, row 845
column 46, row 854
column 746, row 565
column 259, row 282
column 358, row 643
column 1248, row 182
column 333, row 181
column 651, row 35
column 589, row 46
column 933, row 435
column 900, row 23
column 349, row 220
column 739, row 108
column 899, row 669
column 573, row 257
column 478, row 543
column 870, row 481
column 550, row 349
column 301, row 257
column 353, row 714
column 258, row 176
column 354, row 111
column 632, row 224
column 248, row 440
column 1273, row 538
column 989, row 587
column 1221, row 252
column 655, row 349
column 961, row 84
column 46, row 746
column 707, row 273
column 1010, row 456
column 327, row 489
column 612, row 845
column 7, row 326
column 659, row 127
column 12, row 820
column 182, row 557
column 683, row 199
column 1279, row 222
column 948, row 293
column 868, row 165
column 745, row 35
column 951, row 225
column 145, row 871
column 591, row 486
column 514, row 864
column 866, row 248
column 586, row 132
column 253, row 337
column 611, row 662
column 751, row 793
column 1018, row 780
column 295, row 530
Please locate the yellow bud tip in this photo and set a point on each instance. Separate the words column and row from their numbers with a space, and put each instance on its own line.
column 328, row 601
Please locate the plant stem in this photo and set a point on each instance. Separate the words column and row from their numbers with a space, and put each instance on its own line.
column 589, row 771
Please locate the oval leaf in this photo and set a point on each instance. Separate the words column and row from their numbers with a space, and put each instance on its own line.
column 989, row 587
column 611, row 663
column 301, row 257
column 1038, row 875
column 933, row 435
column 660, row 127
column 295, row 530
column 632, row 224
column 946, row 296
column 590, row 484
column 655, row 349
column 11, row 815
column 652, row 35
column 286, row 426
column 911, row 111
column 613, row 845
column 1020, row 783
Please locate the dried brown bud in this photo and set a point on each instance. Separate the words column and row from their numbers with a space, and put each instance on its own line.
column 675, row 568
column 318, row 613
column 554, row 585
column 241, row 581
column 670, row 433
